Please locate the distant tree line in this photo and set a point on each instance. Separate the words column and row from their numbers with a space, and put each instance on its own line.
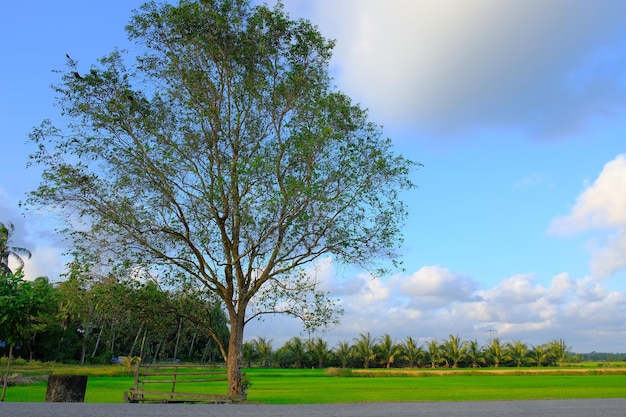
column 366, row 351
column 89, row 319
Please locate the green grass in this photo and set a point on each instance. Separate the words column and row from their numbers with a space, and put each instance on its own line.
column 308, row 386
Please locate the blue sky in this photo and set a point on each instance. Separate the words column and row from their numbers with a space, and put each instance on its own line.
column 516, row 110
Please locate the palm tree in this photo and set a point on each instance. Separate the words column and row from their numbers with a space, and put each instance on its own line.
column 264, row 347
column 475, row 354
column 388, row 349
column 558, row 351
column 318, row 350
column 518, row 352
column 7, row 252
column 249, row 352
column 494, row 352
column 364, row 349
column 412, row 352
column 454, row 350
column 539, row 355
column 433, row 353
column 344, row 352
column 296, row 350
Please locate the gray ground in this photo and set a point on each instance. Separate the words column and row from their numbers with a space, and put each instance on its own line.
column 548, row 408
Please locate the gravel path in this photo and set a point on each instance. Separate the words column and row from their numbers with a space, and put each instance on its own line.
column 543, row 408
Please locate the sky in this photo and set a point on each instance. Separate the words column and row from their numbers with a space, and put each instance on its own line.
column 516, row 110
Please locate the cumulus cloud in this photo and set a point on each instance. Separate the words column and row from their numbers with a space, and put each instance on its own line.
column 449, row 66
column 601, row 207
column 45, row 246
column 582, row 311
column 436, row 286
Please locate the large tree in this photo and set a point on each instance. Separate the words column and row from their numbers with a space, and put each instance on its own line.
column 224, row 154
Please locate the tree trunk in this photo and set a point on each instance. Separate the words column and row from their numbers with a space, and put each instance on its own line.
column 180, row 325
column 5, row 382
column 132, row 347
column 193, row 340
column 234, row 360
column 143, row 342
column 95, row 349
column 157, row 351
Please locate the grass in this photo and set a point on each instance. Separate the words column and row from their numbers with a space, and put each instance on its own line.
column 311, row 386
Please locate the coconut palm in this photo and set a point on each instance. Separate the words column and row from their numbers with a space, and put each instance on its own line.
column 412, row 352
column 264, row 347
column 539, row 355
column 10, row 252
column 558, row 351
column 364, row 349
column 475, row 354
column 249, row 352
column 387, row 350
column 517, row 351
column 454, row 350
column 318, row 351
column 495, row 352
column 344, row 352
column 433, row 353
column 297, row 351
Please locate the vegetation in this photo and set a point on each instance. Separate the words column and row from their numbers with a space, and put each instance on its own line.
column 307, row 386
column 88, row 320
column 222, row 158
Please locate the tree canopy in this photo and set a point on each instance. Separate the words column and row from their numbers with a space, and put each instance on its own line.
column 223, row 155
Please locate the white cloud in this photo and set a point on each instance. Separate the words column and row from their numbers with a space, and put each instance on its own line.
column 542, row 67
column 518, row 289
column 45, row 246
column 611, row 256
column 581, row 311
column 436, row 286
column 602, row 205
column 45, row 262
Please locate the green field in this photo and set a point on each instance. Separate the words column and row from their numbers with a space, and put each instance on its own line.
column 291, row 386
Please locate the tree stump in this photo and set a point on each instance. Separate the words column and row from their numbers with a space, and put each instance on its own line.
column 66, row 388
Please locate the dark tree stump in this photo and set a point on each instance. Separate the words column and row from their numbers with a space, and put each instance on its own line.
column 66, row 388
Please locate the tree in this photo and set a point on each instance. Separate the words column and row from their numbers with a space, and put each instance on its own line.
column 10, row 252
column 22, row 304
column 318, row 351
column 224, row 155
column 495, row 352
column 433, row 353
column 475, row 354
column 249, row 352
column 412, row 351
column 264, row 347
column 344, row 352
column 387, row 350
column 517, row 351
column 454, row 350
column 558, row 351
column 297, row 352
column 363, row 349
column 539, row 355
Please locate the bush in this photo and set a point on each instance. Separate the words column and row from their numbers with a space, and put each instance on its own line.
column 342, row 372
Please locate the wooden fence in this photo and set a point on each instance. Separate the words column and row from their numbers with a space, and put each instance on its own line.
column 176, row 384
